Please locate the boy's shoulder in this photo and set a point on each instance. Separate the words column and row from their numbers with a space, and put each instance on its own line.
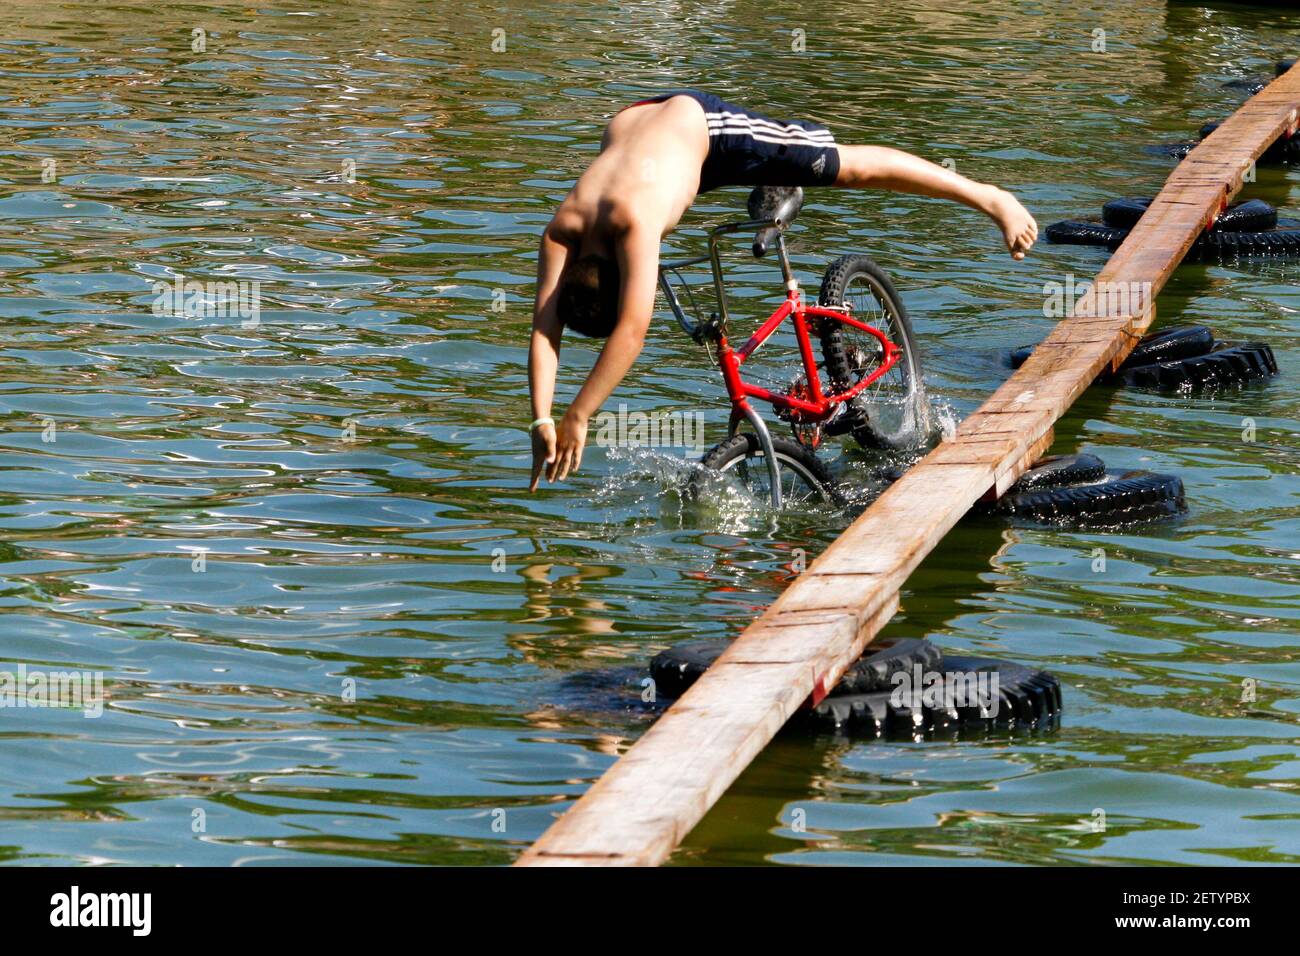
column 567, row 225
column 612, row 215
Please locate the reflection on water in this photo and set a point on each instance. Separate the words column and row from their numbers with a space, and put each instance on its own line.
column 301, row 551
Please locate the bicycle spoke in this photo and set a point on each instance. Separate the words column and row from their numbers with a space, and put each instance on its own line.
column 796, row 487
column 886, row 402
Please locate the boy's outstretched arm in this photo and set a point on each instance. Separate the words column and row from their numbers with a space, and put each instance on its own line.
column 880, row 167
column 638, row 265
column 544, row 347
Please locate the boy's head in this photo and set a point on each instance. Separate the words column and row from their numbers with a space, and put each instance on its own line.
column 588, row 300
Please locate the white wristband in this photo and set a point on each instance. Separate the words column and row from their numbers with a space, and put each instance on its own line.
column 539, row 422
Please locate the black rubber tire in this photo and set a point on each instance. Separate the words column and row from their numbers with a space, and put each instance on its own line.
column 1075, row 232
column 842, row 367
column 1178, row 342
column 677, row 668
column 1018, row 357
column 1026, row 699
column 1250, row 85
column 792, row 456
column 873, row 716
column 1253, row 84
column 1120, row 498
column 1061, row 470
column 875, row 670
column 1251, row 215
column 1223, row 245
column 674, row 670
column 1172, row 150
column 1124, row 213
column 1212, row 245
column 1283, row 150
column 1181, row 341
column 1225, row 366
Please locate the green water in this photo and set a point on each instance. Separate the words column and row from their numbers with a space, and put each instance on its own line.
column 485, row 698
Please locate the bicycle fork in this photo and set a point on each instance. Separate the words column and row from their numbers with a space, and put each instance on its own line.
column 765, row 440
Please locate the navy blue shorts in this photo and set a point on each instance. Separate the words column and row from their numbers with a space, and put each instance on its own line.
column 750, row 149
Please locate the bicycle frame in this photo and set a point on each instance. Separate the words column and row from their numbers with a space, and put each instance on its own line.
column 817, row 405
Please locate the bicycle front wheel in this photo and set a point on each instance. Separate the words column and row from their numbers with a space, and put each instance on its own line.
column 804, row 479
column 891, row 412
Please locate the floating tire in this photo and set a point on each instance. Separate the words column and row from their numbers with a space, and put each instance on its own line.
column 677, row 668
column 1251, row 215
column 986, row 695
column 1254, row 84
column 1181, row 341
column 1074, row 232
column 1250, row 85
column 875, row 670
column 1172, row 150
column 1211, row 245
column 1283, row 150
column 1119, row 498
column 1020, row 356
column 1124, row 213
column 681, row 665
column 875, row 716
column 1226, row 366
column 1061, row 470
column 1026, row 698
column 1222, row 245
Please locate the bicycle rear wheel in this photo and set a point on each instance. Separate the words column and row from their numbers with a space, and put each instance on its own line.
column 892, row 412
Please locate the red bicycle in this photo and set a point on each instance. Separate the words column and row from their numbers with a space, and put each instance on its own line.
column 872, row 389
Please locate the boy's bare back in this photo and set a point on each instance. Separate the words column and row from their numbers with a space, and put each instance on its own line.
column 648, row 172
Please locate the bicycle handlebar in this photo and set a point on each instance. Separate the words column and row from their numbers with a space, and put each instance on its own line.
column 695, row 329
column 689, row 327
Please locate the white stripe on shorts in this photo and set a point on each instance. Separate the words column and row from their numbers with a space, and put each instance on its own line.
column 740, row 123
column 775, row 126
column 764, row 136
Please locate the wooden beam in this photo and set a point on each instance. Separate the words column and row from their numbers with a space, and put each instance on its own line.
column 646, row 803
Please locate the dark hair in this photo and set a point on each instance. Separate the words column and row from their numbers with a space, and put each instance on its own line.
column 588, row 300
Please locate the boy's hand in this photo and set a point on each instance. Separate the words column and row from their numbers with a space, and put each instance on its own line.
column 543, row 451
column 571, row 438
column 1017, row 225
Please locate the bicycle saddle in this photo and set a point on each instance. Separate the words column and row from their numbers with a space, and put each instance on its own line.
column 781, row 203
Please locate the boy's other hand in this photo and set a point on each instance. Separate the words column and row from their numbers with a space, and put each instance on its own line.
column 543, row 451
column 570, row 439
column 1017, row 225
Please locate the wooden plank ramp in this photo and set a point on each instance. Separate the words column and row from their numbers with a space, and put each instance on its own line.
column 647, row 802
